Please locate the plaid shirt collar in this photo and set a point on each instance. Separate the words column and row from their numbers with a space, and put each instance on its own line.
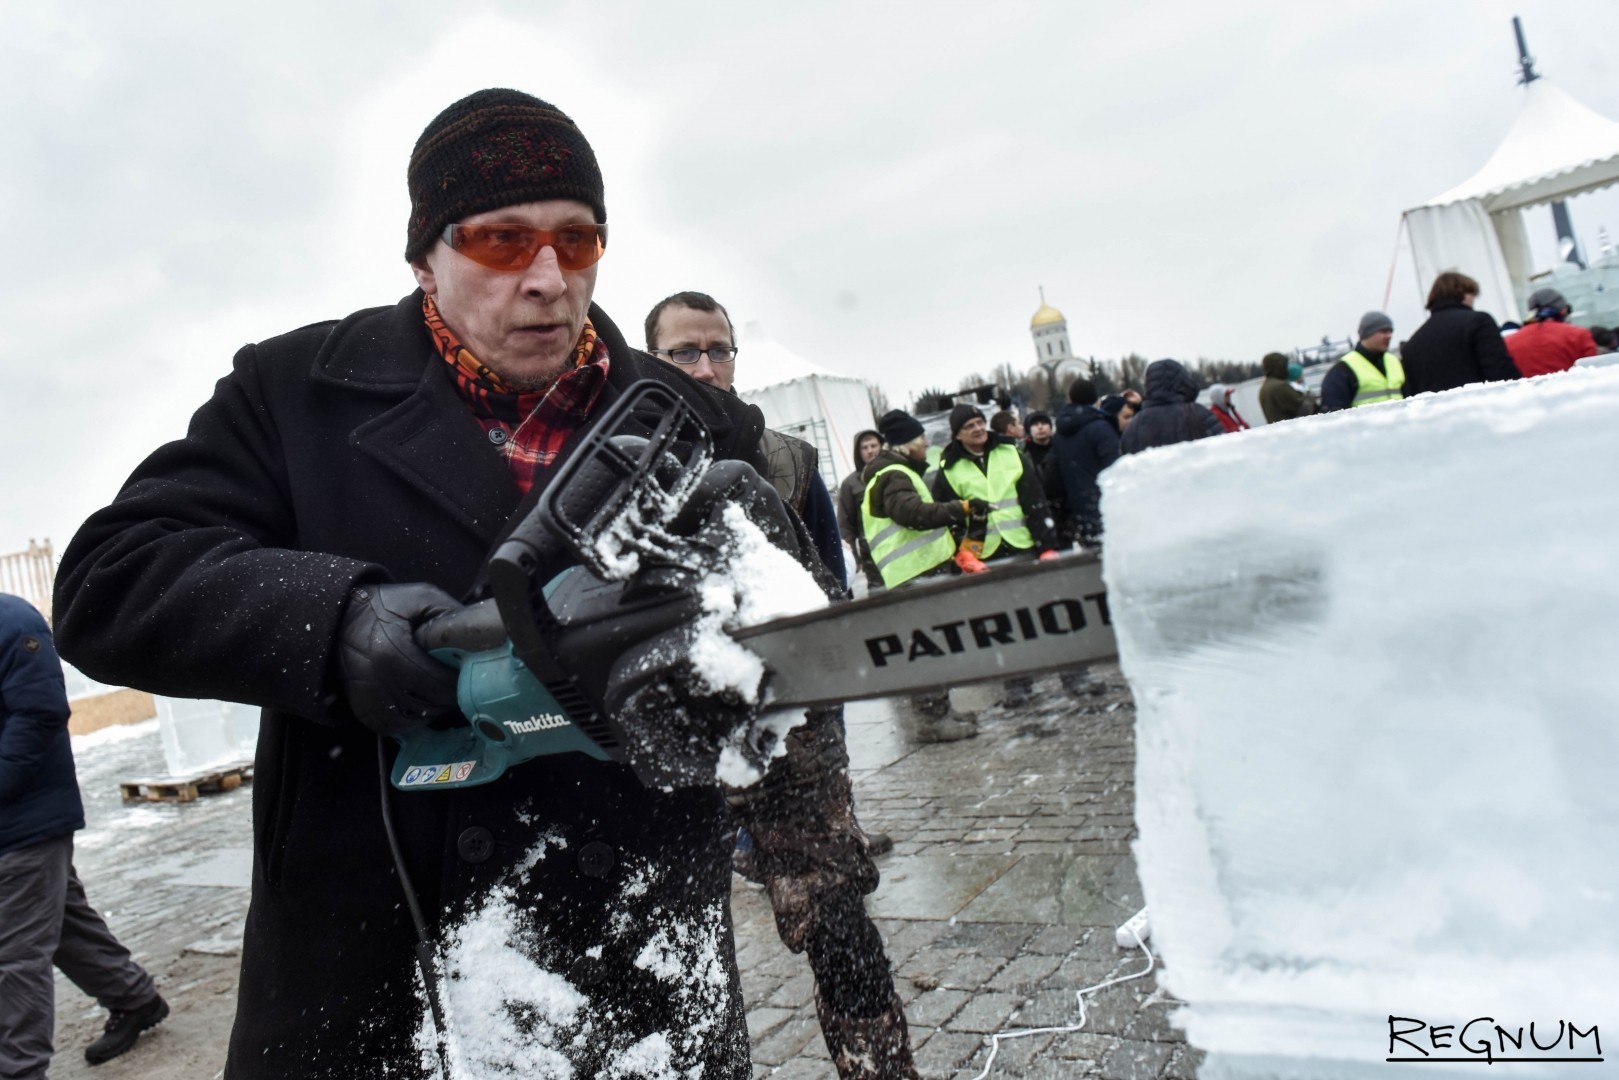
column 528, row 428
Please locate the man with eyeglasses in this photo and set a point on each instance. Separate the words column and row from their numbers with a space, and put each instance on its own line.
column 692, row 331
column 800, row 839
column 345, row 483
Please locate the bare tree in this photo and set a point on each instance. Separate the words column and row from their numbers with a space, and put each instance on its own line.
column 879, row 400
column 1133, row 372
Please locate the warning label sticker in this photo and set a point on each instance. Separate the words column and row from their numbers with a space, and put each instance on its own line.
column 428, row 775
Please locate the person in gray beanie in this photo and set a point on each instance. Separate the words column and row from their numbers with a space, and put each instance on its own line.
column 1368, row 374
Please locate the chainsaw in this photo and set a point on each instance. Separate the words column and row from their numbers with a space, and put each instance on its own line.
column 633, row 513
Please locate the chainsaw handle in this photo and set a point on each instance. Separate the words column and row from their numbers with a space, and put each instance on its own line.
column 473, row 628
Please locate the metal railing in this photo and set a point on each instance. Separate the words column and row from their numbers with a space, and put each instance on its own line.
column 30, row 574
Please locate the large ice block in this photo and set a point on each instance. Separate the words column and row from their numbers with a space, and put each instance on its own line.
column 201, row 734
column 1376, row 664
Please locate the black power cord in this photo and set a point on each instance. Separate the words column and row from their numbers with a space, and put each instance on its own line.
column 424, row 938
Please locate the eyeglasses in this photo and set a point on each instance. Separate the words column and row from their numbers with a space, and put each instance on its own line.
column 717, row 354
column 511, row 248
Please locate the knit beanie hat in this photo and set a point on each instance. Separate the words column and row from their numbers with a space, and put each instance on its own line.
column 960, row 415
column 1037, row 418
column 1111, row 405
column 1546, row 303
column 1372, row 322
column 898, row 427
column 491, row 149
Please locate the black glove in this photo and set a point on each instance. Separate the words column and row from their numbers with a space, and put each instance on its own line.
column 673, row 732
column 392, row 684
column 978, row 508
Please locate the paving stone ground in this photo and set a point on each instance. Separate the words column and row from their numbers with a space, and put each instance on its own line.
column 1010, row 871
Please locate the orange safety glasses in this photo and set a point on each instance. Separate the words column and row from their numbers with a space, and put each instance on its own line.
column 514, row 247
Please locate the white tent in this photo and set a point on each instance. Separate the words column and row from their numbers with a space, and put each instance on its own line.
column 1557, row 148
column 804, row 399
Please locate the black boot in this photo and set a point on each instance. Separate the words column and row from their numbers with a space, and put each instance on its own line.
column 123, row 1028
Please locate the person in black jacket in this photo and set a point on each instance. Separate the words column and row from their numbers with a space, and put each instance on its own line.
column 346, row 482
column 45, row 920
column 1170, row 412
column 1457, row 345
column 851, row 493
column 1086, row 443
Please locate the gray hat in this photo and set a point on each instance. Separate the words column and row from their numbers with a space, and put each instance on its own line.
column 1547, row 298
column 1372, row 322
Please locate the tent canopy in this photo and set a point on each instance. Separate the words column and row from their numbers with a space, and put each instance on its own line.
column 801, row 398
column 1556, row 148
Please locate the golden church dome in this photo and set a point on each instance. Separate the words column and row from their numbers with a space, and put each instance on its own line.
column 1045, row 316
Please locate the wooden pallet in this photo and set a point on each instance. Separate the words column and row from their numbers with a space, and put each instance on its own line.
column 180, row 789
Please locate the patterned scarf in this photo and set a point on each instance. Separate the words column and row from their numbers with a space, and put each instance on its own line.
column 528, row 428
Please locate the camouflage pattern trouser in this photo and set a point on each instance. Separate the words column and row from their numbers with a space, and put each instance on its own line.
column 817, row 869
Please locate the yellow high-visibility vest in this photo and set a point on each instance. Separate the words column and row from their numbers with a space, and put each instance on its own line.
column 1376, row 386
column 996, row 484
column 900, row 553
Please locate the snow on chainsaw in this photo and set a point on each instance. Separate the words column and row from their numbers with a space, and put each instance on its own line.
column 625, row 655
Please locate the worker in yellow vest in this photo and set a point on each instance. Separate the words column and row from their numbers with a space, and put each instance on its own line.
column 980, row 465
column 1369, row 373
column 908, row 531
column 909, row 534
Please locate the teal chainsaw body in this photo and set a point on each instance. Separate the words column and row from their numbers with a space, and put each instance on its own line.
column 510, row 718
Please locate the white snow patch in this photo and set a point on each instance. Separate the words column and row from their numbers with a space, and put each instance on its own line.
column 736, row 766
column 759, row 582
column 115, row 733
column 650, row 1059
column 533, row 856
column 508, row 1016
column 505, row 1014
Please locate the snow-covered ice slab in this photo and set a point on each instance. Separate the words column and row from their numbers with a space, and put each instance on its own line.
column 1376, row 665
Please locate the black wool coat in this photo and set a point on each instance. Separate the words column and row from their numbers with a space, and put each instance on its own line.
column 338, row 454
column 1169, row 411
column 1086, row 442
column 1455, row 347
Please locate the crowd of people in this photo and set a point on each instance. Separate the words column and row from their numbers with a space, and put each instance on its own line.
column 1065, row 455
column 1458, row 346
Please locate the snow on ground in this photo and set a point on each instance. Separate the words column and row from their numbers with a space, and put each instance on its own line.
column 116, row 733
column 1373, row 656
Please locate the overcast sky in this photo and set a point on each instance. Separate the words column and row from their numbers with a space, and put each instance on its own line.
column 880, row 187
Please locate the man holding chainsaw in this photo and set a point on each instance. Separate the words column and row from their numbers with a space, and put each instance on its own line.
column 344, row 485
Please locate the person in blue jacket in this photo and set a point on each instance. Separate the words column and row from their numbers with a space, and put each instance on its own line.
column 1170, row 413
column 1086, row 443
column 45, row 920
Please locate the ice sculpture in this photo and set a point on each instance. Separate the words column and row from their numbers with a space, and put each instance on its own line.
column 1376, row 663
